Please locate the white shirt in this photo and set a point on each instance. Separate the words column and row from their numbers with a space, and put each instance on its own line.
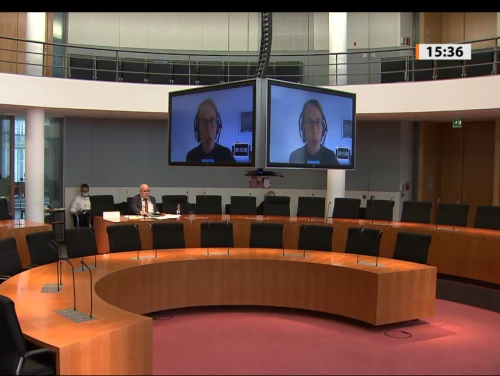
column 150, row 205
column 80, row 203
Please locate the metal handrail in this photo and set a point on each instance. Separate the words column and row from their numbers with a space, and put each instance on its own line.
column 308, row 71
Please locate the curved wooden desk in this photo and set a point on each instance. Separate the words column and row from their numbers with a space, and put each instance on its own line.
column 119, row 340
column 461, row 251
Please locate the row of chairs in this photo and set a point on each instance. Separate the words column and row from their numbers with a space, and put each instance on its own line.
column 15, row 356
column 175, row 72
column 449, row 214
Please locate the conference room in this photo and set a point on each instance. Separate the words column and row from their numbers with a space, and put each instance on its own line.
column 238, row 199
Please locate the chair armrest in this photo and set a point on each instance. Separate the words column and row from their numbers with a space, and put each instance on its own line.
column 38, row 352
column 4, row 277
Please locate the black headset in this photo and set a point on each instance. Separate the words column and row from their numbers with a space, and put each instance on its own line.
column 196, row 122
column 324, row 125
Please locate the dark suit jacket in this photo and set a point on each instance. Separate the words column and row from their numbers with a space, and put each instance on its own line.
column 136, row 204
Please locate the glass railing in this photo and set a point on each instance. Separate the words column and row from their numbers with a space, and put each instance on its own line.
column 313, row 68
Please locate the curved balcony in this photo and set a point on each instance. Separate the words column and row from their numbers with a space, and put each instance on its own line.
column 171, row 68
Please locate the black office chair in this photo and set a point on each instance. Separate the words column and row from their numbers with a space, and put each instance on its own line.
column 277, row 205
column 412, row 247
column 4, row 209
column 379, row 210
column 170, row 202
column 346, row 208
column 487, row 217
column 15, row 359
column 168, row 235
column 80, row 243
column 42, row 248
column 243, row 205
column 100, row 204
column 311, row 207
column 10, row 262
column 315, row 238
column 452, row 214
column 216, row 235
column 123, row 238
column 266, row 235
column 363, row 241
column 416, row 212
column 208, row 204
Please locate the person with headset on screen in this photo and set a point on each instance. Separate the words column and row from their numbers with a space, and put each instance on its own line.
column 207, row 130
column 312, row 130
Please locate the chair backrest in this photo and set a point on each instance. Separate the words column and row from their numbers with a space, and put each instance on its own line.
column 12, row 345
column 277, row 205
column 487, row 217
column 452, row 214
column 412, row 247
column 123, row 238
column 416, row 212
column 168, row 235
column 10, row 261
column 243, row 205
column 40, row 248
column 363, row 241
column 315, row 237
column 266, row 235
column 170, row 202
column 311, row 207
column 379, row 210
column 101, row 203
column 216, row 234
column 346, row 208
column 208, row 204
column 80, row 242
column 4, row 209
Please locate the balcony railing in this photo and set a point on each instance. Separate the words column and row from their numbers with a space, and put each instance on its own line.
column 313, row 68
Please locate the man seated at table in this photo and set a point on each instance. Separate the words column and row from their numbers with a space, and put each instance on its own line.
column 80, row 208
column 143, row 203
column 260, row 208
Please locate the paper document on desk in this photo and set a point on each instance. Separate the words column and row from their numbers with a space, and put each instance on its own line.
column 167, row 216
column 134, row 217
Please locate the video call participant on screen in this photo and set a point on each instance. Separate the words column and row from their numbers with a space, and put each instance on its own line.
column 312, row 130
column 143, row 203
column 207, row 130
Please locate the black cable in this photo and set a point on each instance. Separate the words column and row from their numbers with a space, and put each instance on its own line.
column 406, row 334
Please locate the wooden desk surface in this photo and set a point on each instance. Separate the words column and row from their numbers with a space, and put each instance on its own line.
column 18, row 229
column 458, row 251
column 119, row 340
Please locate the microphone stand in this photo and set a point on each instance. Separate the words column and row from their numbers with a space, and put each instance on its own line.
column 53, row 244
column 227, row 226
column 310, row 214
column 456, row 210
column 305, row 226
column 392, row 210
column 58, row 265
column 90, row 273
column 284, row 238
column 327, row 211
column 373, row 208
column 128, row 208
column 208, row 233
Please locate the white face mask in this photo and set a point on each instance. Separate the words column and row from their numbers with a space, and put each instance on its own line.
column 85, row 194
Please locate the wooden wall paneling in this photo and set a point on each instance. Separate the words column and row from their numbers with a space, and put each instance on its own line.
column 480, row 25
column 5, row 29
column 430, row 27
column 21, row 46
column 49, row 49
column 453, row 26
column 496, row 165
column 429, row 167
column 452, row 141
column 479, row 150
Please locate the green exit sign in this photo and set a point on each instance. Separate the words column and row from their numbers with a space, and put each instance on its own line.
column 457, row 123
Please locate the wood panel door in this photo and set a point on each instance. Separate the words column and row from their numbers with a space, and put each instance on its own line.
column 478, row 161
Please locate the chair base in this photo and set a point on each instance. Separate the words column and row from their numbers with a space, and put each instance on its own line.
column 75, row 315
column 50, row 288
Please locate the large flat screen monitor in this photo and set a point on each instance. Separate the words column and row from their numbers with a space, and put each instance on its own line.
column 213, row 125
column 310, row 127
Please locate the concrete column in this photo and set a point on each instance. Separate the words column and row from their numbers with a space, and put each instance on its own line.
column 35, row 137
column 337, row 42
column 35, row 31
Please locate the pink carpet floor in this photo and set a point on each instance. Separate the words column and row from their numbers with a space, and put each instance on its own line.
column 458, row 340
